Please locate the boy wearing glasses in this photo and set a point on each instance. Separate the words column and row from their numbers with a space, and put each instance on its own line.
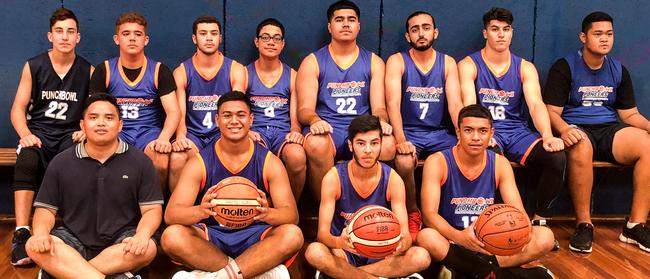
column 200, row 81
column 271, row 90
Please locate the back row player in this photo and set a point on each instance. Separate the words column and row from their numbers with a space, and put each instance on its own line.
column 45, row 114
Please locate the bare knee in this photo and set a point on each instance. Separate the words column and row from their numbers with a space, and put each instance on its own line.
column 142, row 260
column 172, row 239
column 387, row 148
column 542, row 239
column 404, row 163
column 294, row 157
column 419, row 258
column 178, row 159
column 580, row 154
column 434, row 243
column 318, row 147
column 315, row 254
column 291, row 238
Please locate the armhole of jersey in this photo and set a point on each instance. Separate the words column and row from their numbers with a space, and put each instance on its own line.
column 521, row 69
column 204, row 175
column 445, row 170
column 264, row 170
column 247, row 76
column 475, row 68
column 389, row 188
column 338, row 183
column 231, row 74
column 497, row 159
column 107, row 69
column 155, row 75
column 444, row 64
column 182, row 68
column 316, row 63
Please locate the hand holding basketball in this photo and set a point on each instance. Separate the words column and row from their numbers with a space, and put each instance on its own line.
column 470, row 241
column 343, row 242
column 204, row 210
column 263, row 209
column 504, row 229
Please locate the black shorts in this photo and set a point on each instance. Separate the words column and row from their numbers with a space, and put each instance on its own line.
column 601, row 137
column 87, row 252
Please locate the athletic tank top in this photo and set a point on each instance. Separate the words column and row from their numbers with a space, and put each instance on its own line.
column 502, row 95
column 202, row 93
column 343, row 93
column 462, row 200
column 593, row 92
column 350, row 200
column 270, row 105
column 423, row 94
column 139, row 101
column 56, row 104
column 215, row 170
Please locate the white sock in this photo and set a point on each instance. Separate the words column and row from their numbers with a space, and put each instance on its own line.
column 24, row 227
column 631, row 225
column 229, row 270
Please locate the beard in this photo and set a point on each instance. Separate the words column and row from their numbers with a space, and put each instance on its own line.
column 423, row 47
column 356, row 159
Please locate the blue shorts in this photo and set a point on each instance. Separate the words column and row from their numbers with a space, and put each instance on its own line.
column 339, row 137
column 357, row 261
column 273, row 138
column 429, row 142
column 140, row 137
column 234, row 242
column 201, row 141
column 516, row 143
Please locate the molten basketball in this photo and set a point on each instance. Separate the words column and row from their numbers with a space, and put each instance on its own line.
column 503, row 229
column 235, row 202
column 374, row 231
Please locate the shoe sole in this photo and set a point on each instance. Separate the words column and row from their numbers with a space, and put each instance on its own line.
column 626, row 239
column 585, row 251
column 21, row 262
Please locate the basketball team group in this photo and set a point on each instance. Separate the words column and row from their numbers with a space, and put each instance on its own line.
column 129, row 159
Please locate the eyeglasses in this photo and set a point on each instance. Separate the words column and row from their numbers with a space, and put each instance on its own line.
column 266, row 38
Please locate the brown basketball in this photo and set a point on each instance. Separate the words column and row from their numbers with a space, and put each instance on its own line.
column 235, row 202
column 374, row 231
column 503, row 228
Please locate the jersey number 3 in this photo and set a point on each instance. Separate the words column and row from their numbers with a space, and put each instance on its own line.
column 349, row 102
column 52, row 112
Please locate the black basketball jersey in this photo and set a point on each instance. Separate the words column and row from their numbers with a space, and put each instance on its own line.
column 56, row 104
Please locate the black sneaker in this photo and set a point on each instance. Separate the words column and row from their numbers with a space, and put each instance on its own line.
column 18, row 253
column 542, row 223
column 582, row 238
column 639, row 234
column 537, row 272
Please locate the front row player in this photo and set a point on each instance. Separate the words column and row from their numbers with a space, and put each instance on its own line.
column 457, row 185
column 112, row 204
column 195, row 239
column 346, row 188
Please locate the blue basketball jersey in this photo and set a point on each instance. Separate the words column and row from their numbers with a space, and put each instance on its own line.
column 270, row 102
column 462, row 199
column 423, row 94
column 593, row 92
column 202, row 92
column 350, row 200
column 215, row 170
column 343, row 93
column 502, row 95
column 139, row 101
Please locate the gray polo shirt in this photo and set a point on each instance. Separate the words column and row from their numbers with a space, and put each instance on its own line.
column 98, row 201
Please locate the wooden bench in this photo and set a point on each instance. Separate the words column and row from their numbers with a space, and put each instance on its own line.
column 7, row 156
column 596, row 164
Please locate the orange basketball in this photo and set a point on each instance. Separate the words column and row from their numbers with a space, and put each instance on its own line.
column 374, row 231
column 503, row 228
column 235, row 202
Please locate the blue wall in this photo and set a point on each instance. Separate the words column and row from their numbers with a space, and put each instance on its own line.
column 544, row 30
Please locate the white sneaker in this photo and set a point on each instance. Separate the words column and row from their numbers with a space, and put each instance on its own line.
column 194, row 274
column 413, row 276
column 278, row 272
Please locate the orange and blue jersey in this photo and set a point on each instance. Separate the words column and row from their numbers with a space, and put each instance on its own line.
column 202, row 93
column 501, row 93
column 423, row 94
column 462, row 198
column 351, row 196
column 270, row 102
column 344, row 90
column 215, row 170
column 593, row 92
column 138, row 100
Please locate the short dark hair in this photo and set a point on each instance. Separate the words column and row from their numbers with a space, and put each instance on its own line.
column 342, row 5
column 363, row 124
column 205, row 19
column 475, row 110
column 234, row 96
column 269, row 21
column 499, row 14
column 595, row 17
column 131, row 17
column 62, row 14
column 101, row 97
column 417, row 13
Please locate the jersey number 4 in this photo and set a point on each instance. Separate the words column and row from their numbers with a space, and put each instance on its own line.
column 52, row 112
column 349, row 102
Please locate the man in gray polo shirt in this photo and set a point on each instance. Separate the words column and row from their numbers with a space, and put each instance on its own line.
column 108, row 197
